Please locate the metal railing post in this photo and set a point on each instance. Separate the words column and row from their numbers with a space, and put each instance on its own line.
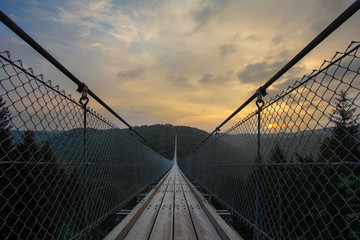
column 84, row 101
column 133, row 158
column 213, row 165
column 259, row 104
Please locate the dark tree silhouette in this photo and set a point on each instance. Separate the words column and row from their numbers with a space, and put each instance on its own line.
column 5, row 136
column 38, row 198
column 275, row 176
column 343, row 145
column 328, row 206
column 7, row 172
column 341, row 180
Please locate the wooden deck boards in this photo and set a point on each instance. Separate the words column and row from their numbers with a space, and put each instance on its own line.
column 163, row 225
column 183, row 226
column 202, row 225
column 142, row 229
column 175, row 211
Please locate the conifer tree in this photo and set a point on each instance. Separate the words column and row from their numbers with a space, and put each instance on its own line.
column 38, row 198
column 7, row 171
column 344, row 144
column 6, row 144
column 342, row 180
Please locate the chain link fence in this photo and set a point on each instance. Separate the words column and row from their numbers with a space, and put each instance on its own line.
column 63, row 168
column 291, row 169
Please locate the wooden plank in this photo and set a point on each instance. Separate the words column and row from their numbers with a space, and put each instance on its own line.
column 203, row 226
column 163, row 226
column 164, row 216
column 122, row 229
column 142, row 228
column 183, row 227
column 225, row 231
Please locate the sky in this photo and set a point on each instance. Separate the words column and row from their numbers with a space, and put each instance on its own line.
column 188, row 62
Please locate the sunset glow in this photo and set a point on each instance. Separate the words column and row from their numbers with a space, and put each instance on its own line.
column 178, row 62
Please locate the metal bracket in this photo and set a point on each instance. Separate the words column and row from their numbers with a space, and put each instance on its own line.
column 259, row 94
column 217, row 135
column 83, row 89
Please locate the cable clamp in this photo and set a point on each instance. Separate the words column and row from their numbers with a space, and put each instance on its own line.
column 83, row 89
column 259, row 94
column 217, row 134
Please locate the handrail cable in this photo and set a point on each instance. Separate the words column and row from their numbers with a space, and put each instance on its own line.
column 29, row 40
column 343, row 17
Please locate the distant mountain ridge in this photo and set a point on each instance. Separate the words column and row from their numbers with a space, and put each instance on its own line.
column 162, row 137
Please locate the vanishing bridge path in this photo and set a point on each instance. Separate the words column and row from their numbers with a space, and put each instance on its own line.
column 174, row 209
column 290, row 169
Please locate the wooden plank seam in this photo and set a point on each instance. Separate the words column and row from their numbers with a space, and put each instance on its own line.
column 225, row 231
column 122, row 229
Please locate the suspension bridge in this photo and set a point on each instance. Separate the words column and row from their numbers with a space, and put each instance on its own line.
column 288, row 170
column 174, row 209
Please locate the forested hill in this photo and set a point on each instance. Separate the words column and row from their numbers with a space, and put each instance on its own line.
column 163, row 136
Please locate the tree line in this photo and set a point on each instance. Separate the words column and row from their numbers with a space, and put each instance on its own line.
column 310, row 196
column 39, row 198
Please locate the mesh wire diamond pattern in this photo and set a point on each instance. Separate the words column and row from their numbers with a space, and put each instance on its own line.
column 307, row 183
column 57, row 180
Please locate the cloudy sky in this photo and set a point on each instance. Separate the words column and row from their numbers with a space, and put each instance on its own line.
column 188, row 62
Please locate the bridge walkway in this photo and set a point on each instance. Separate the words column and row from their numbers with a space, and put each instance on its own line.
column 174, row 209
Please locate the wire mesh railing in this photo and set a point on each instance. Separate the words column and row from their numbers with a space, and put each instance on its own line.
column 63, row 168
column 291, row 169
